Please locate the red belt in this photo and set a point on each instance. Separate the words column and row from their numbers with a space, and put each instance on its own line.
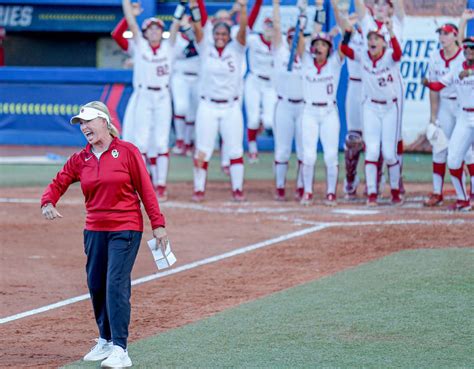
column 321, row 103
column 469, row 110
column 293, row 101
column 265, row 78
column 355, row 79
column 153, row 88
column 382, row 102
column 220, row 101
column 190, row 74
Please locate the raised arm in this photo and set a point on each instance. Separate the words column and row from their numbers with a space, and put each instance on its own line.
column 399, row 9
column 177, row 18
column 242, row 34
column 361, row 9
column 254, row 13
column 130, row 17
column 466, row 16
column 117, row 34
column 319, row 16
column 341, row 21
column 276, row 37
column 202, row 8
column 397, row 50
column 344, row 47
column 196, row 19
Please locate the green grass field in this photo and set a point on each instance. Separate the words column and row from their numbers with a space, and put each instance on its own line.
column 412, row 309
column 417, row 168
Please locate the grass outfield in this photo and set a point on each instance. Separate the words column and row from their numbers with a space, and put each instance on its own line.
column 417, row 168
column 412, row 309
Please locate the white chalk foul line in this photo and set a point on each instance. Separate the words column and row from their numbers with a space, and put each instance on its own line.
column 180, row 269
column 317, row 227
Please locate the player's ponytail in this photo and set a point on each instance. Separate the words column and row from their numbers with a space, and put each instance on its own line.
column 103, row 108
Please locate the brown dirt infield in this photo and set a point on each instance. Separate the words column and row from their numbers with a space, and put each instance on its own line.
column 43, row 262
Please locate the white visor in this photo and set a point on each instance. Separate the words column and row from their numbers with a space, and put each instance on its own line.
column 88, row 113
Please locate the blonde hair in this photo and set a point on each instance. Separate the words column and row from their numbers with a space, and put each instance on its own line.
column 99, row 105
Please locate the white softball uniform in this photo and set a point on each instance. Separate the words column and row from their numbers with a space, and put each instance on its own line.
column 354, row 95
column 151, row 110
column 184, row 85
column 219, row 109
column 380, row 115
column 320, row 118
column 288, row 111
column 259, row 91
column 368, row 23
column 462, row 138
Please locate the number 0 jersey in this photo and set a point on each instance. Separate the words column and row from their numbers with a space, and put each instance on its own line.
column 320, row 82
column 151, row 68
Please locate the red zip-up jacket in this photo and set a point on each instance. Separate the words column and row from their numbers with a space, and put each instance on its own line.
column 111, row 187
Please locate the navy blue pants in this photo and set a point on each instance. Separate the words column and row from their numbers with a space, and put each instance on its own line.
column 110, row 259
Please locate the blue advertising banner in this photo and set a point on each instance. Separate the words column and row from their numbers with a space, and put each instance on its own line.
column 38, row 113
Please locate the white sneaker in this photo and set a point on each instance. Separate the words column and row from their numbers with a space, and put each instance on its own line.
column 118, row 359
column 100, row 351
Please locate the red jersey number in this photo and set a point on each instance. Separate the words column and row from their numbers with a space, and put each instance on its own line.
column 162, row 70
column 383, row 81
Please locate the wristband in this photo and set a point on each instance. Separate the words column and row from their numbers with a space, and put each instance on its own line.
column 195, row 14
column 179, row 11
column 320, row 15
column 347, row 37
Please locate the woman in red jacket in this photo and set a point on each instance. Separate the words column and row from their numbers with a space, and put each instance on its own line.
column 113, row 179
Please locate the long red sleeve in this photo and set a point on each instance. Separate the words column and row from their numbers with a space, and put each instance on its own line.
column 117, row 34
column 65, row 177
column 142, row 183
column 347, row 51
column 254, row 13
column 397, row 50
column 203, row 10
column 435, row 86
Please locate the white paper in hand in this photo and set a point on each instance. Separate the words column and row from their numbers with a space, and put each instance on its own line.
column 162, row 261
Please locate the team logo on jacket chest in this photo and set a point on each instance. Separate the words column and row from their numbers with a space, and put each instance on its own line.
column 115, row 154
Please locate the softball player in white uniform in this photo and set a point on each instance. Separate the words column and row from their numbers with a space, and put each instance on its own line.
column 219, row 109
column 289, row 107
column 375, row 20
column 152, row 61
column 461, row 77
column 321, row 72
column 445, row 103
column 380, row 110
column 184, row 87
column 260, row 96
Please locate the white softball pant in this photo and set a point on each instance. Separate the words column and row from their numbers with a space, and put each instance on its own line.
column 259, row 93
column 128, row 119
column 320, row 123
column 287, row 127
column 223, row 118
column 185, row 95
column 354, row 100
column 381, row 127
column 152, row 121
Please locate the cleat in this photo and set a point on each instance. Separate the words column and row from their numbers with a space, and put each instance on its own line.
column 280, row 194
column 238, row 196
column 434, row 200
column 350, row 189
column 299, row 192
column 189, row 150
column 372, row 200
column 198, row 196
column 226, row 169
column 307, row 199
column 101, row 351
column 402, row 186
column 179, row 148
column 330, row 200
column 461, row 206
column 118, row 359
column 253, row 157
column 161, row 193
column 396, row 199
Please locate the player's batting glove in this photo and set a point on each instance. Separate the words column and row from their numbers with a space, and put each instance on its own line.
column 320, row 15
column 303, row 21
column 195, row 14
column 179, row 11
